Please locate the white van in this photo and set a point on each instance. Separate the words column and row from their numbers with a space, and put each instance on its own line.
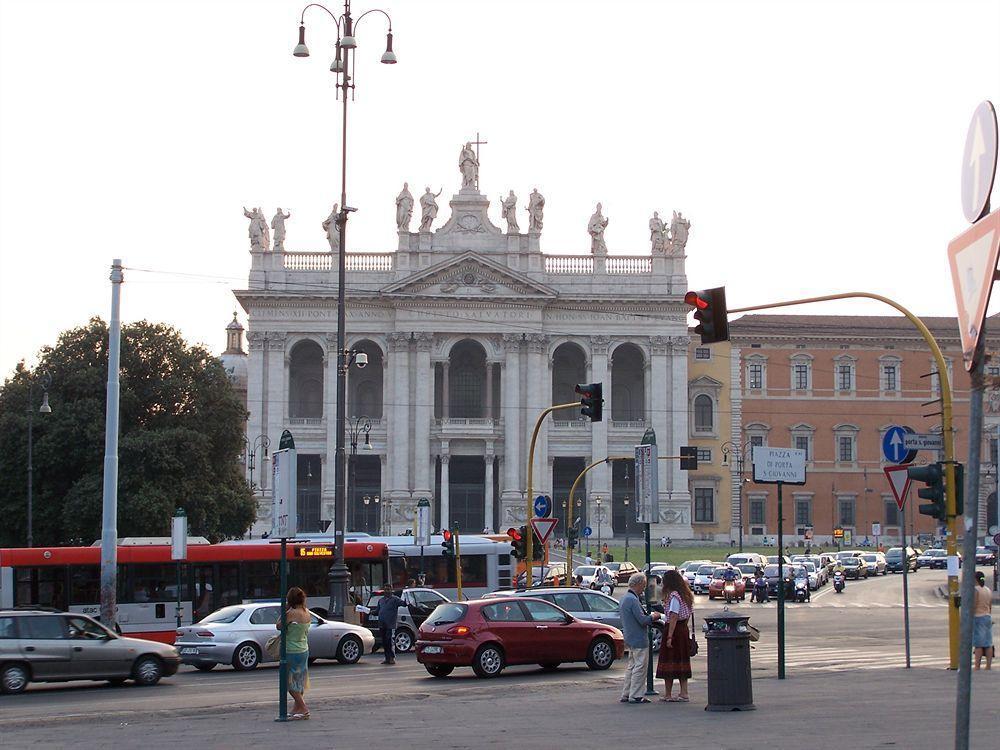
column 747, row 558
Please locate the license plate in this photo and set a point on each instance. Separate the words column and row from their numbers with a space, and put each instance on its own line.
column 189, row 651
column 433, row 650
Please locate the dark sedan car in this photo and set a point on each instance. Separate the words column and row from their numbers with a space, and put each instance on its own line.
column 771, row 576
column 854, row 567
column 490, row 634
column 986, row 556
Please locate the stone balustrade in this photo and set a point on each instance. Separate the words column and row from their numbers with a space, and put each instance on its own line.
column 629, row 264
column 569, row 264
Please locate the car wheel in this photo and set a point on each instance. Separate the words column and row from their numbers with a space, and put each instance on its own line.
column 14, row 679
column 205, row 667
column 488, row 661
column 350, row 649
column 550, row 666
column 601, row 654
column 439, row 670
column 147, row 671
column 246, row 657
column 404, row 640
column 657, row 639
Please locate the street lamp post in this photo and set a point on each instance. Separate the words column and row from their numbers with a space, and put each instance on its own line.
column 261, row 443
column 343, row 67
column 626, row 527
column 739, row 455
column 44, row 381
column 600, row 520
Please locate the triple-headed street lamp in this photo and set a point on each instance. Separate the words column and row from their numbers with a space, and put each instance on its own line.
column 261, row 443
column 44, row 381
column 739, row 456
column 343, row 67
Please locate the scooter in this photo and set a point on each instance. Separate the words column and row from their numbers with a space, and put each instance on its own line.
column 760, row 591
column 839, row 582
column 730, row 591
column 802, row 590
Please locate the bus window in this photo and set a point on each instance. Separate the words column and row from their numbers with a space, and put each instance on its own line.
column 441, row 571
column 262, row 580
column 85, row 584
column 156, row 582
column 202, row 605
column 43, row 587
column 312, row 575
column 229, row 584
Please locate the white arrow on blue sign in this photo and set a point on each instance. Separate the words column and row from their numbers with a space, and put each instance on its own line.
column 587, row 531
column 894, row 445
column 543, row 506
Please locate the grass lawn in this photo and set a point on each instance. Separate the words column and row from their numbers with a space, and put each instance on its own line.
column 673, row 554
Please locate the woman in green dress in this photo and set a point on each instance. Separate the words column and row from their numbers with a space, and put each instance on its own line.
column 297, row 650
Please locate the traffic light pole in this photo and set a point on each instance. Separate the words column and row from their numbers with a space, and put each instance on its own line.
column 458, row 562
column 947, row 434
column 531, row 468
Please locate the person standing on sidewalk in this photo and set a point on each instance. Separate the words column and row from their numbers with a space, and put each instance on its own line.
column 388, row 613
column 675, row 651
column 982, row 628
column 635, row 625
column 297, row 649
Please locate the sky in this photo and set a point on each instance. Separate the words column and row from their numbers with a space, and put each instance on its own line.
column 815, row 146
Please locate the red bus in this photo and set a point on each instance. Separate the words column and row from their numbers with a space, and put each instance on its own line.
column 213, row 576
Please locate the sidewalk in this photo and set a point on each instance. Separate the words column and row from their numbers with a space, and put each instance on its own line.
column 858, row 709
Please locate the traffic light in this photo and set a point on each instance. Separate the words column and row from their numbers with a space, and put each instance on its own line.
column 537, row 548
column 959, row 489
column 711, row 313
column 592, row 400
column 689, row 458
column 448, row 545
column 572, row 536
column 933, row 476
column 518, row 542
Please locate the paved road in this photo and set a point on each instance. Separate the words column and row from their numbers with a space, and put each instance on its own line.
column 860, row 629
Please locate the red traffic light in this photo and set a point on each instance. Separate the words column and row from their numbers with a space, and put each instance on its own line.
column 514, row 534
column 692, row 298
column 446, row 534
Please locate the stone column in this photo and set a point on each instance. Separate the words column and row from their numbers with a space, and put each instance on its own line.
column 277, row 398
column 445, row 511
column 445, row 406
column 424, row 373
column 599, row 478
column 488, row 412
column 678, row 511
column 660, row 406
column 257, row 422
column 511, row 412
column 488, row 500
column 398, row 425
column 538, row 344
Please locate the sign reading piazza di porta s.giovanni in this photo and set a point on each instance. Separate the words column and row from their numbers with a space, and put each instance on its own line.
column 470, row 331
column 773, row 465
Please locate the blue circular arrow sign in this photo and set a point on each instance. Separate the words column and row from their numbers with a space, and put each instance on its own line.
column 543, row 506
column 894, row 446
column 587, row 531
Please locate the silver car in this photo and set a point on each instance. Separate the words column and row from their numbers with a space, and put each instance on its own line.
column 43, row 646
column 236, row 635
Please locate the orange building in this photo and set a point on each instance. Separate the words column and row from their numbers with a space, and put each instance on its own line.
column 832, row 386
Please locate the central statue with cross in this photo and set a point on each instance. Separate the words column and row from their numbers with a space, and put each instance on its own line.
column 468, row 163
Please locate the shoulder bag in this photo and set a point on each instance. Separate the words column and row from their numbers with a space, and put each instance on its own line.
column 273, row 646
column 694, row 640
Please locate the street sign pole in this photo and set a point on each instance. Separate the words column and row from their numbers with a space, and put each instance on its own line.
column 458, row 561
column 906, row 584
column 781, row 589
column 645, row 461
column 283, row 660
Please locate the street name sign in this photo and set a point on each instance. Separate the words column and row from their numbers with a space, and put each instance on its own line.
column 899, row 482
column 647, row 505
column 284, row 480
column 543, row 527
column 973, row 260
column 543, row 506
column 919, row 441
column 894, row 445
column 979, row 162
column 773, row 465
column 423, row 535
column 179, row 538
column 876, row 529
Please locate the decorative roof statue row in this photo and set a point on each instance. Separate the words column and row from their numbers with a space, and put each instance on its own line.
column 664, row 239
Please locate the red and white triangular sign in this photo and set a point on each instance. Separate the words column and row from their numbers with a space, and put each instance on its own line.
column 973, row 259
column 543, row 527
column 899, row 482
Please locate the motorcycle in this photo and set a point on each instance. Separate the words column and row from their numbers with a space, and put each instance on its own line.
column 839, row 582
column 802, row 590
column 760, row 591
column 730, row 591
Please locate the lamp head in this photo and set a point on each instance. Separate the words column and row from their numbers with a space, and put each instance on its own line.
column 301, row 50
column 368, row 444
column 361, row 360
column 347, row 41
column 337, row 66
column 45, row 408
column 388, row 57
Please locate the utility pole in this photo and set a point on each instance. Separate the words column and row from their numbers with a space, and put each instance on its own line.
column 109, row 521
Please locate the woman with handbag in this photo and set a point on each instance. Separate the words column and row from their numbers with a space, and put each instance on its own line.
column 678, row 644
column 297, row 649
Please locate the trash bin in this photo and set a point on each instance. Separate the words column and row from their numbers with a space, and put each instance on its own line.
column 727, row 637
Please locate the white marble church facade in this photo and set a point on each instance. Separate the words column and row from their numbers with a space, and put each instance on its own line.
column 470, row 332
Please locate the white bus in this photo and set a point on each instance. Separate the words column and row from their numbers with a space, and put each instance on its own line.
column 487, row 564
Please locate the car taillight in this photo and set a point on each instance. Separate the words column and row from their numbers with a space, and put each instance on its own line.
column 459, row 630
column 205, row 634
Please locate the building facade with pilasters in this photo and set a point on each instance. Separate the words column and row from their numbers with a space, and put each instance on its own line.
column 470, row 333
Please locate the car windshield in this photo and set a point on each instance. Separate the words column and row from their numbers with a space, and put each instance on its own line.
column 894, row 552
column 706, row 570
column 771, row 570
column 444, row 614
column 747, row 568
column 936, row 553
column 870, row 558
column 585, row 570
column 851, row 562
column 613, row 567
column 809, row 567
column 226, row 614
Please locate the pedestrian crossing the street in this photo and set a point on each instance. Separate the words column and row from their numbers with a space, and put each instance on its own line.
column 837, row 659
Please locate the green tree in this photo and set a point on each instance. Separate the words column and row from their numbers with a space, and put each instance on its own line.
column 181, row 430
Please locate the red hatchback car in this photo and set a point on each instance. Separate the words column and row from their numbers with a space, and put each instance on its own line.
column 490, row 634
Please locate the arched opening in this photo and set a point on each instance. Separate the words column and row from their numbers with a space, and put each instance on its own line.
column 569, row 367
column 628, row 386
column 365, row 394
column 467, row 380
column 305, row 381
column 704, row 419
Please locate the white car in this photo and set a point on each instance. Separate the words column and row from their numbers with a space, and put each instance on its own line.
column 593, row 574
column 811, row 572
column 703, row 578
column 236, row 635
column 689, row 569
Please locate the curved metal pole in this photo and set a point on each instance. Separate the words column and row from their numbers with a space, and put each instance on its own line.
column 373, row 10
column 336, row 19
column 946, row 434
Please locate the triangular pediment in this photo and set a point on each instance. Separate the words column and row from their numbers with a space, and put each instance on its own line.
column 469, row 275
column 704, row 381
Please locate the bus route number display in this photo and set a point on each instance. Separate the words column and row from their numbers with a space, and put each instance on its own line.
column 313, row 552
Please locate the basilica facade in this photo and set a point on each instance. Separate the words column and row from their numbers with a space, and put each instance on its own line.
column 470, row 331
